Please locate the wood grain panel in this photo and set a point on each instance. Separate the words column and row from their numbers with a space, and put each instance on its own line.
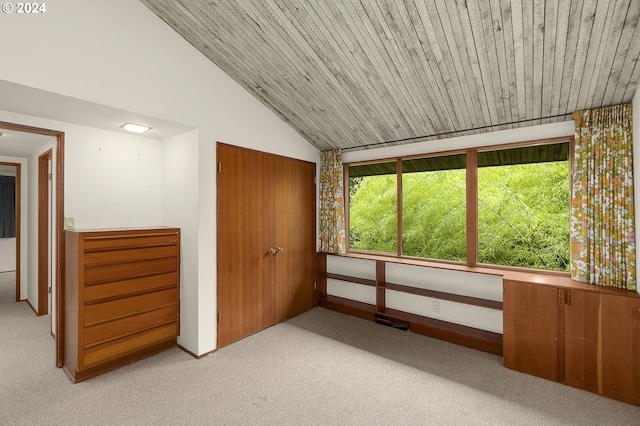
column 102, row 273
column 321, row 278
column 581, row 311
column 619, row 369
column 123, row 255
column 128, row 345
column 130, row 287
column 266, row 240
column 295, row 233
column 73, row 275
column 246, row 232
column 470, row 337
column 130, row 306
column 123, row 327
column 530, row 329
column 349, row 307
column 101, row 312
column 43, row 210
column 121, row 239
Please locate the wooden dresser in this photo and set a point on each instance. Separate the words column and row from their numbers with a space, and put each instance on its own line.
column 122, row 297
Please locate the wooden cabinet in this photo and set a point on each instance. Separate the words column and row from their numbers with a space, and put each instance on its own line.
column 585, row 338
column 530, row 330
column 122, row 297
column 266, row 240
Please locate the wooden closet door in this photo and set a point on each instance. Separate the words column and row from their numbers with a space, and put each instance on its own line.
column 296, row 234
column 246, row 232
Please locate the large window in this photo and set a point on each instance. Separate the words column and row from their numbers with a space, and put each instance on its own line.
column 507, row 207
column 372, row 207
column 434, row 207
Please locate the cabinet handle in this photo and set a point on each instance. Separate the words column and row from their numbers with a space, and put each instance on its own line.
column 272, row 251
column 280, row 249
column 564, row 297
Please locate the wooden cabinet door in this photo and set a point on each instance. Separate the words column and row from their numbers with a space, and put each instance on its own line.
column 246, row 232
column 531, row 314
column 620, row 348
column 296, row 234
column 580, row 338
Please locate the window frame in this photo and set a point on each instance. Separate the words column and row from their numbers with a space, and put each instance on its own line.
column 471, row 203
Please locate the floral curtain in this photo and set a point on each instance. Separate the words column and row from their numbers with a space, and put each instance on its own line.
column 603, row 248
column 332, row 232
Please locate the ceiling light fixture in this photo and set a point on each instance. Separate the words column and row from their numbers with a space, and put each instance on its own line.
column 135, row 128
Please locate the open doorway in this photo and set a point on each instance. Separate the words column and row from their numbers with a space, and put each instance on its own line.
column 10, row 213
column 50, row 265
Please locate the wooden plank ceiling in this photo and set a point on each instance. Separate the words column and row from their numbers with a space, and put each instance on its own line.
column 364, row 73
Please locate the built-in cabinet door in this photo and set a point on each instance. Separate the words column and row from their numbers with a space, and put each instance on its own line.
column 531, row 329
column 246, row 232
column 295, row 236
column 580, row 338
column 620, row 348
column 266, row 240
column 599, row 344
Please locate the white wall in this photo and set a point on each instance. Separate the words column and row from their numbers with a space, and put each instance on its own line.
column 111, row 180
column 7, row 254
column 523, row 134
column 119, row 54
column 180, row 209
column 24, row 227
column 483, row 286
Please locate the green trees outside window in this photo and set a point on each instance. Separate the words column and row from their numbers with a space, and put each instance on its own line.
column 373, row 212
column 522, row 198
column 434, row 213
column 523, row 215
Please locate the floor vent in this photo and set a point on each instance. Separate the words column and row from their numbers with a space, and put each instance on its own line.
column 400, row 325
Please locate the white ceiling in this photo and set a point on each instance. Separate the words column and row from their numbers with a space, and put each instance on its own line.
column 20, row 144
column 26, row 100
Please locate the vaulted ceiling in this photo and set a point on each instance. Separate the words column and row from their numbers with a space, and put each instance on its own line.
column 364, row 73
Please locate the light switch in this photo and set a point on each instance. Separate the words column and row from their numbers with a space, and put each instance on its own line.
column 69, row 222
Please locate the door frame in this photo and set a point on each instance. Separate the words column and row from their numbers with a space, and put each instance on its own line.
column 43, row 232
column 59, row 228
column 18, row 167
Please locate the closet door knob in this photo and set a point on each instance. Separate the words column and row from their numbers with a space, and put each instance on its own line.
column 280, row 249
column 273, row 251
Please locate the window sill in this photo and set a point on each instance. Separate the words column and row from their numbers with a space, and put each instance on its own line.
column 550, row 278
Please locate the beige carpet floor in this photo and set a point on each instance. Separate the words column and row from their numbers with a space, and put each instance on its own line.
column 318, row 368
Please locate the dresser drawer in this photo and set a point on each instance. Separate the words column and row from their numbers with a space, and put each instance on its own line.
column 110, row 242
column 129, row 254
column 108, row 311
column 107, row 331
column 97, row 292
column 128, row 345
column 102, row 273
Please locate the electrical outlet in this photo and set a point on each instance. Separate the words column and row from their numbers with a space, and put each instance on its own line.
column 436, row 307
